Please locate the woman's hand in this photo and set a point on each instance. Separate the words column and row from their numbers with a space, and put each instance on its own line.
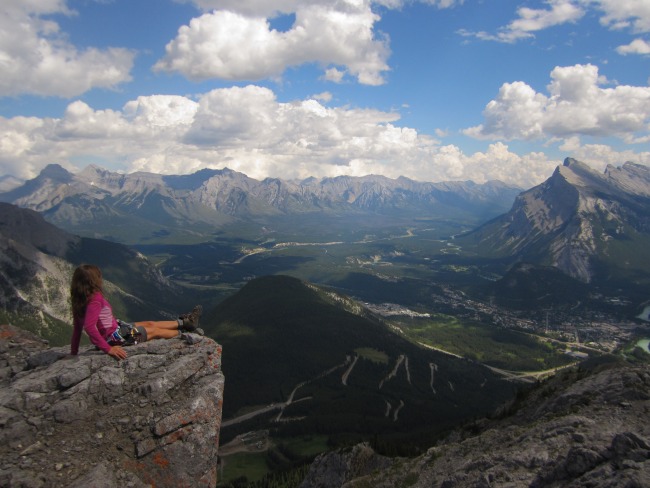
column 117, row 352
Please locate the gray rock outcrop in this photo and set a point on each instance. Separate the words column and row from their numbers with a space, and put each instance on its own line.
column 150, row 420
column 577, row 430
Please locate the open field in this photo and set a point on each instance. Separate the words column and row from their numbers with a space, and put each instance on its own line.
column 500, row 348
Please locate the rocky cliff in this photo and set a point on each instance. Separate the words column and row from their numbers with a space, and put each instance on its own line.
column 150, row 420
column 583, row 222
column 579, row 429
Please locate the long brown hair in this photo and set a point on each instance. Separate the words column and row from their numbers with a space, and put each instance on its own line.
column 86, row 280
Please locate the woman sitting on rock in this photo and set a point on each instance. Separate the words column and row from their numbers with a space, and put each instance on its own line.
column 92, row 313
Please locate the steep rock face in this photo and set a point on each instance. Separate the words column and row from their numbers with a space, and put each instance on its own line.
column 34, row 276
column 152, row 419
column 575, row 430
column 575, row 219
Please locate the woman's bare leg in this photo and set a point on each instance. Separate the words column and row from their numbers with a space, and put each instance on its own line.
column 161, row 333
column 166, row 329
column 159, row 324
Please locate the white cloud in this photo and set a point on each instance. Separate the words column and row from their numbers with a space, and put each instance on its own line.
column 576, row 105
column 265, row 8
column 161, row 111
column 334, row 75
column 249, row 130
column 624, row 14
column 240, row 44
column 36, row 58
column 323, row 97
column 637, row 46
column 498, row 163
column 616, row 14
column 532, row 20
column 443, row 3
column 251, row 8
column 598, row 156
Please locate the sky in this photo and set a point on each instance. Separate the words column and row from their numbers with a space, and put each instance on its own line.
column 434, row 90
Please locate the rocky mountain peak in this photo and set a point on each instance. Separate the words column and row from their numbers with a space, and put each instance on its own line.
column 150, row 420
column 631, row 178
column 580, row 174
column 575, row 218
column 57, row 173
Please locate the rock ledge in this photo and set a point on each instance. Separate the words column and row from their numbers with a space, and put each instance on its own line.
column 152, row 419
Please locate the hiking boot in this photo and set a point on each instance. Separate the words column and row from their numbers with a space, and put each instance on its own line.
column 190, row 321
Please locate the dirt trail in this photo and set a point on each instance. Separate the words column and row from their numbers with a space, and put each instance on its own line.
column 282, row 405
column 344, row 378
column 393, row 373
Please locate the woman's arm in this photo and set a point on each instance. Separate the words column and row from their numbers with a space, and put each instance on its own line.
column 90, row 321
column 76, row 336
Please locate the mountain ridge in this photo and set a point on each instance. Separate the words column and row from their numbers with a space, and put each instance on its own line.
column 200, row 202
column 578, row 220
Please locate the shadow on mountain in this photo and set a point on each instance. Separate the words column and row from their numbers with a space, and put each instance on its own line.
column 280, row 333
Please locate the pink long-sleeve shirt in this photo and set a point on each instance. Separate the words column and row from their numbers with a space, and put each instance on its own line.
column 98, row 322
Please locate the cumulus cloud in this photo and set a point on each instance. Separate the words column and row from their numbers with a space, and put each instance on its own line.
column 264, row 8
column 598, row 156
column 249, row 130
column 631, row 15
column 637, row 46
column 443, row 3
column 36, row 58
column 624, row 14
column 238, row 42
column 253, row 8
column 323, row 97
column 576, row 105
column 532, row 20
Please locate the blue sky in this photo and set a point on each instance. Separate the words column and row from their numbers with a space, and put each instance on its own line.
column 435, row 90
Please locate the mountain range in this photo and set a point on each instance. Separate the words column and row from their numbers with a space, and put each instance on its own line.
column 99, row 203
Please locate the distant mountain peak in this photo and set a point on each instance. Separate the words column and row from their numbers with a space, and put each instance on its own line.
column 576, row 219
column 631, row 177
column 56, row 172
column 579, row 174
